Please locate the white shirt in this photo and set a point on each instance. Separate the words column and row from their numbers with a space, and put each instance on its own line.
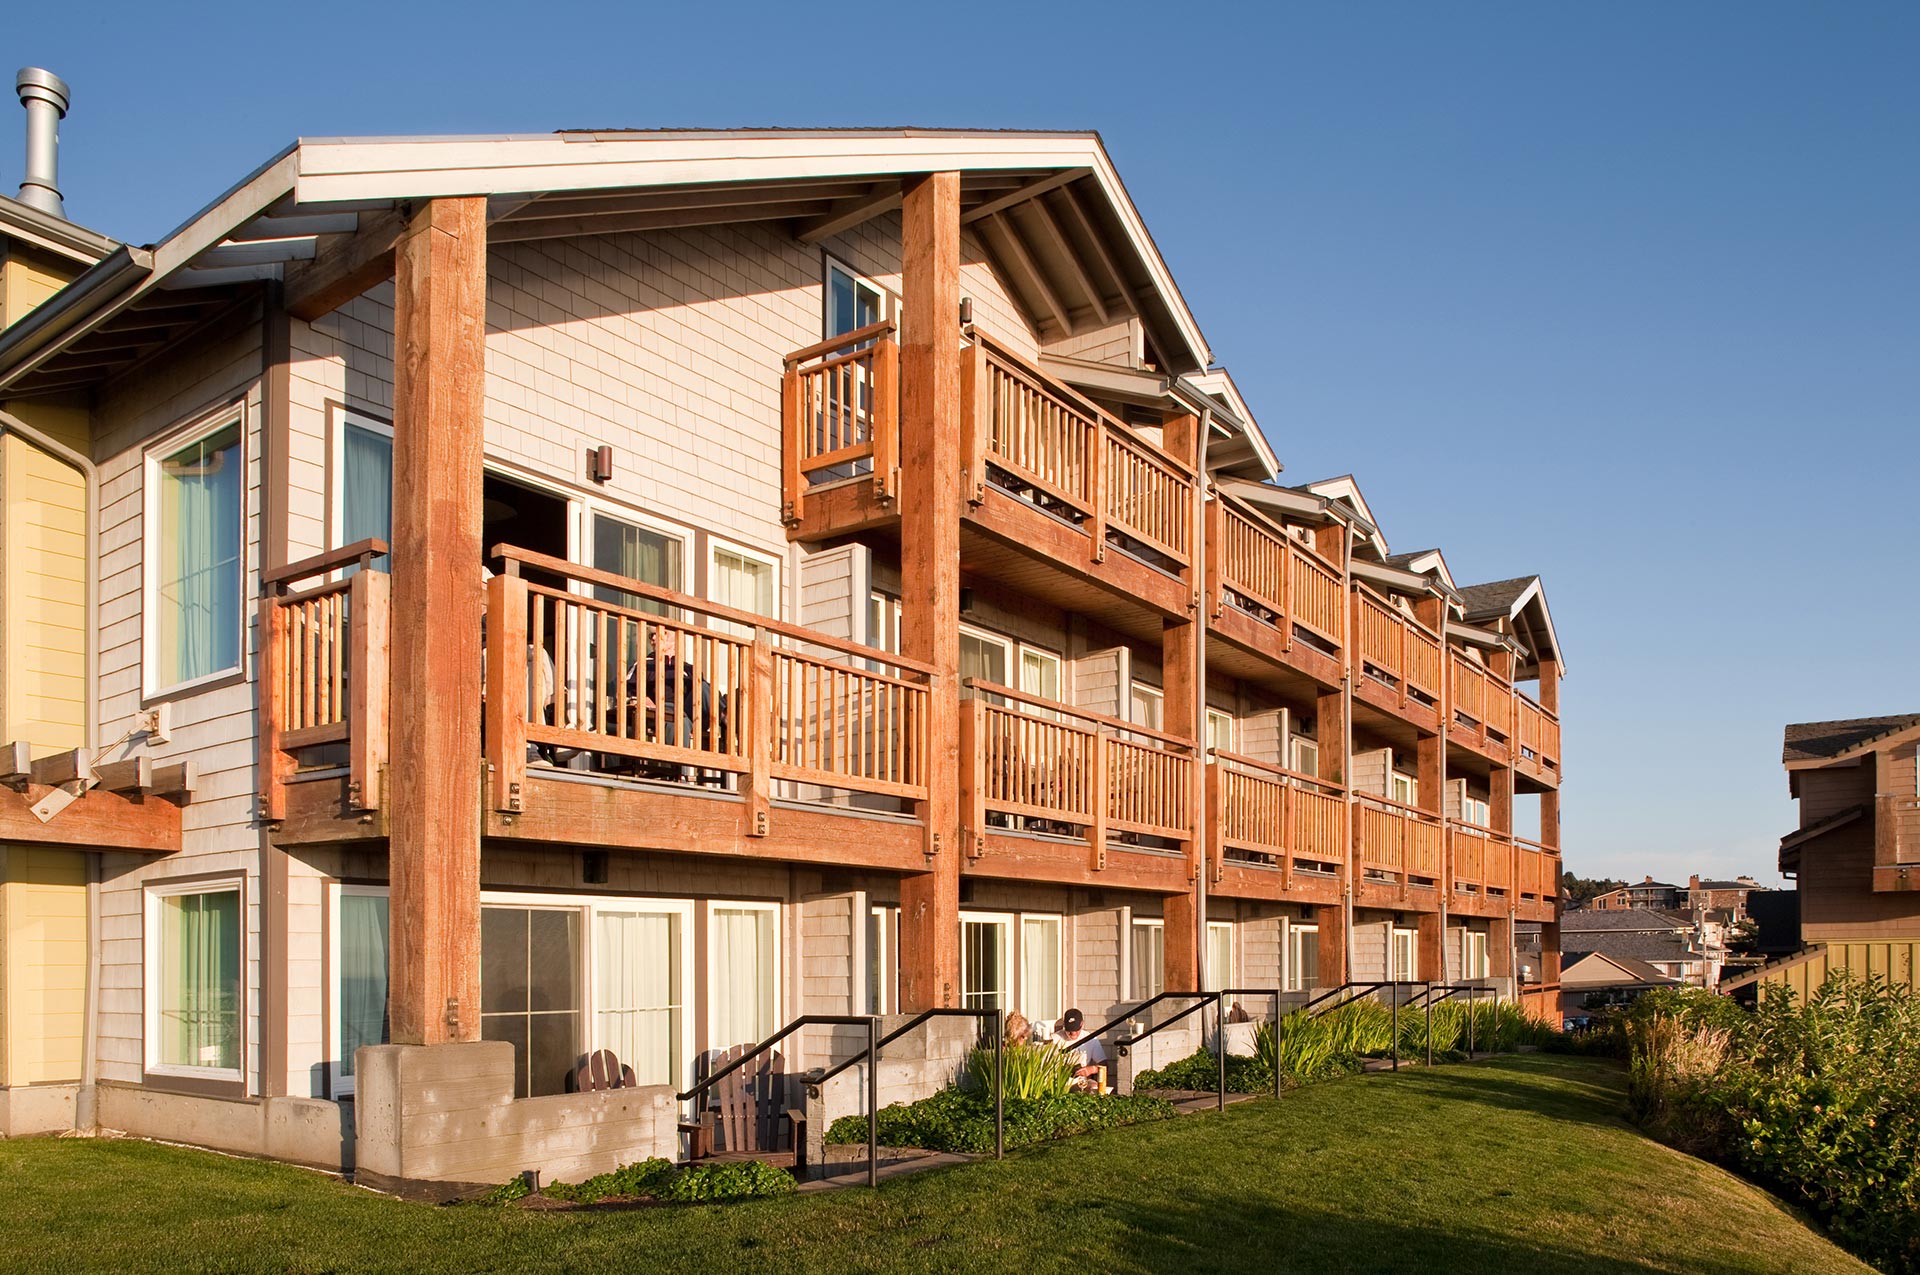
column 1088, row 1047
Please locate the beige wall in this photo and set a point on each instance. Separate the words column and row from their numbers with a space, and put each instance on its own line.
column 43, row 597
column 43, row 964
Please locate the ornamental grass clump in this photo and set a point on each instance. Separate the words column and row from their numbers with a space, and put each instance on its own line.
column 1033, row 1070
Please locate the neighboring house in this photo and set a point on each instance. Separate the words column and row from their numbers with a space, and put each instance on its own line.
column 1647, row 894
column 1672, row 943
column 885, row 606
column 1595, row 980
column 1729, row 899
column 1856, row 854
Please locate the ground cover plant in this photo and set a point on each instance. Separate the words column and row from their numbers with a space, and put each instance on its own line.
column 1515, row 1164
column 962, row 1119
column 1819, row 1100
column 661, row 1181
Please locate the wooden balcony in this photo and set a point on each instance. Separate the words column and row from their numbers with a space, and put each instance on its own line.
column 1536, row 875
column 1277, row 834
column 1400, row 661
column 1055, row 793
column 1538, row 735
column 1270, row 594
column 1396, row 847
column 1482, row 706
column 1054, row 484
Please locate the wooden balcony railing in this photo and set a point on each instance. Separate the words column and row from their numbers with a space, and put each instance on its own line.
column 1482, row 858
column 1536, row 870
column 1483, row 698
column 1277, row 815
column 1397, row 645
column 651, row 678
column 1538, row 731
column 839, row 409
column 323, row 673
column 1397, row 840
column 1270, row 575
column 1071, row 458
column 1060, row 768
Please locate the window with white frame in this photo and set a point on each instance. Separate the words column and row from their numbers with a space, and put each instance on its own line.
column 743, row 973
column 196, row 993
column 1405, row 955
column 853, row 301
column 1303, row 957
column 986, row 960
column 1473, row 953
column 1219, row 956
column 195, row 537
column 1040, row 673
column 742, row 579
column 1149, row 959
column 363, row 481
column 1220, row 731
column 627, row 547
column 530, row 991
column 359, row 964
column 1148, row 707
column 1305, row 756
column 1040, row 973
column 1474, row 810
column 641, row 987
column 1403, row 788
column 883, row 959
column 883, row 622
column 984, row 657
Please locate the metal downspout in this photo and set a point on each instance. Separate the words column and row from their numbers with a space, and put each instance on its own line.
column 1346, row 739
column 1199, row 802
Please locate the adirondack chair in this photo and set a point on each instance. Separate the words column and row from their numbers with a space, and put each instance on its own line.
column 748, row 1110
column 600, row 1070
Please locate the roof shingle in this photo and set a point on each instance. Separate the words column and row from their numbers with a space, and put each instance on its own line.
column 1494, row 598
column 1815, row 741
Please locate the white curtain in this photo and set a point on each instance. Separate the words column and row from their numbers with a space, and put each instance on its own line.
column 366, row 488
column 200, row 980
column 637, row 956
column 1040, row 968
column 363, row 974
column 200, row 533
column 742, row 976
column 1149, row 961
column 1219, row 958
column 984, row 971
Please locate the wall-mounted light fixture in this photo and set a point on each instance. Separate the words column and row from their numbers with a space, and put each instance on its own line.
column 966, row 311
column 600, row 463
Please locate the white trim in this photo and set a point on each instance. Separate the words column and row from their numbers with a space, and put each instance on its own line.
column 153, row 892
column 1395, row 934
column 338, row 419
column 591, row 505
column 715, row 545
column 686, row 994
column 1059, row 924
column 1224, row 981
column 340, row 1085
column 884, row 999
column 207, row 424
column 1134, row 924
column 1299, row 933
column 1009, row 923
column 831, row 261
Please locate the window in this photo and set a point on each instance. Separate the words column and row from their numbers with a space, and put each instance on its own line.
column 1303, row 957
column 986, row 966
column 363, row 463
column 1149, row 959
column 743, row 974
column 1403, row 788
column 1405, row 964
column 1149, row 707
column 1219, row 731
column 1040, row 673
column 984, row 657
column 852, row 302
column 1473, row 953
column 745, row 581
column 359, row 977
column 639, row 553
column 1474, row 810
column 1219, row 956
column 1040, row 968
column 1306, row 756
column 195, row 529
column 530, row 971
column 194, row 991
column 640, row 988
column 883, row 959
column 883, row 622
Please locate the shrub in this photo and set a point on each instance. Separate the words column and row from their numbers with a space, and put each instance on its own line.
column 1042, row 1070
column 729, row 1180
column 630, row 1181
column 962, row 1120
column 658, row 1179
column 1201, row 1071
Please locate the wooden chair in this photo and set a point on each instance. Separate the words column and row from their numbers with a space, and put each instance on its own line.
column 600, row 1070
column 749, row 1111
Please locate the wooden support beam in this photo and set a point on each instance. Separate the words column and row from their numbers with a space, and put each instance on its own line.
column 1033, row 189
column 1077, row 212
column 176, row 779
column 1184, row 713
column 73, row 766
column 1023, row 261
column 342, row 269
column 16, row 762
column 132, row 774
column 613, row 222
column 848, row 213
column 440, row 281
column 1050, row 226
column 931, row 499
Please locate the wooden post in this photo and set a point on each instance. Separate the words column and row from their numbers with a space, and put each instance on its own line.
column 791, row 424
column 274, row 763
column 1185, row 716
column 1430, row 940
column 1332, row 920
column 756, row 785
column 1216, row 554
column 976, row 399
column 1097, row 480
column 1289, row 804
column 885, row 421
column 931, row 464
column 434, row 849
column 973, row 780
column 369, row 607
column 508, row 664
column 1102, row 789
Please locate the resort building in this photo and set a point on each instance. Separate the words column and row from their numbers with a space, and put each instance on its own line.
column 1855, row 856
column 476, row 602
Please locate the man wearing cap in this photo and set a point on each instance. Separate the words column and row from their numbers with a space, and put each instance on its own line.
column 1091, row 1071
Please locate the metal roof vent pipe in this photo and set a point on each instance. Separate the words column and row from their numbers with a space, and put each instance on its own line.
column 45, row 95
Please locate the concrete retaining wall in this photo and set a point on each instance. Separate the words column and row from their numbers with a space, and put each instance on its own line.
column 27, row 1110
column 307, row 1131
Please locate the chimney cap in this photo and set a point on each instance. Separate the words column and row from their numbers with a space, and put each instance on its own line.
column 38, row 84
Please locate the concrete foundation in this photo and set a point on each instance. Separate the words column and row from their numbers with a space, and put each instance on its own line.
column 30, row 1110
column 309, row 1131
column 441, row 1120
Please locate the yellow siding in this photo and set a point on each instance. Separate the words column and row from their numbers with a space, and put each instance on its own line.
column 43, row 964
column 1893, row 960
column 43, row 628
column 27, row 279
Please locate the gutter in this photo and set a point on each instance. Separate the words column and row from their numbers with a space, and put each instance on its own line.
column 36, row 337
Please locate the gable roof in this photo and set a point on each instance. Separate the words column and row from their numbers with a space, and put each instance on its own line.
column 1620, row 920
column 1603, row 969
column 57, row 235
column 1521, row 601
column 1836, row 740
column 1049, row 207
column 1645, row 947
column 1345, row 490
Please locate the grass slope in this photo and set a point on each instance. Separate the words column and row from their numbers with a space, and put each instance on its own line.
column 1519, row 1165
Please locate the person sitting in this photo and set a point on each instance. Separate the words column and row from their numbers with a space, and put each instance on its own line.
column 688, row 718
column 1019, row 1030
column 1090, row 1056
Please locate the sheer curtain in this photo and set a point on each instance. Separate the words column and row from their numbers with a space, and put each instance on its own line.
column 637, row 957
column 1219, row 958
column 199, row 625
column 1149, row 961
column 363, row 974
column 1040, row 968
column 742, row 976
column 366, row 495
column 200, row 980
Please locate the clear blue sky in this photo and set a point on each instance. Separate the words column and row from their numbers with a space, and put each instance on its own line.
column 1627, row 295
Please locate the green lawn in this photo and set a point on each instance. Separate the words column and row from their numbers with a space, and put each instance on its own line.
column 1517, row 1167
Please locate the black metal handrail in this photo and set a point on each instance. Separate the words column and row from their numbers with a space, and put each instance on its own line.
column 998, row 1017
column 1124, row 1044
column 1128, row 1017
column 1279, row 1077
